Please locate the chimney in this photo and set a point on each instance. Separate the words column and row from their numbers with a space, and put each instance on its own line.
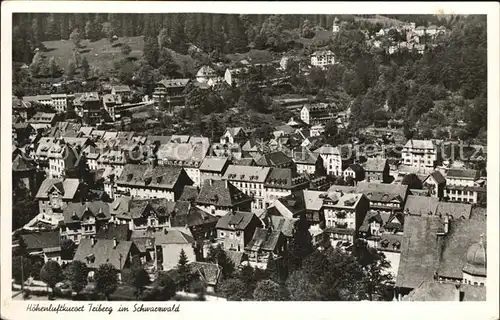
column 210, row 182
column 114, row 242
column 446, row 224
column 226, row 184
column 93, row 241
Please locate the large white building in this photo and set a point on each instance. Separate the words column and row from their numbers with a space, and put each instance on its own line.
column 332, row 159
column 420, row 153
column 250, row 180
column 322, row 58
column 58, row 101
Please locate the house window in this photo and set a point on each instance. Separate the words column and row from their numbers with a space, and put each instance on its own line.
column 222, row 234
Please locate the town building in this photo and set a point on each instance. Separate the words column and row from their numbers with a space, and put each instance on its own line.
column 265, row 244
column 219, row 197
column 83, row 219
column 322, row 58
column 281, row 182
column 307, row 162
column 205, row 74
column 377, row 170
column 435, row 184
column 24, row 174
column 276, row 159
column 59, row 101
column 385, row 197
column 96, row 252
column 123, row 91
column 187, row 152
column 234, row 135
column 88, row 106
column 213, row 168
column 304, row 203
column 332, row 159
column 355, row 171
column 146, row 181
column 43, row 119
column 420, row 153
column 316, row 114
column 421, row 205
column 344, row 214
column 111, row 102
column 53, row 197
column 42, row 245
column 461, row 185
column 173, row 91
column 142, row 214
column 251, row 181
column 235, row 230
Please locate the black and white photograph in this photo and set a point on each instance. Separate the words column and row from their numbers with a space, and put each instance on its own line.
column 221, row 157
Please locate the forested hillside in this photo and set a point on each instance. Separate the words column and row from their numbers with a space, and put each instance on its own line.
column 430, row 93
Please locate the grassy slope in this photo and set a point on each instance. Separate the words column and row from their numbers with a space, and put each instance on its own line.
column 101, row 54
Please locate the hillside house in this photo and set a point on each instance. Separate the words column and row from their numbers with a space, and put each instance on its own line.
column 83, row 219
column 322, row 58
column 219, row 197
column 53, row 197
column 265, row 244
column 213, row 168
column 173, row 91
column 250, row 180
column 281, row 182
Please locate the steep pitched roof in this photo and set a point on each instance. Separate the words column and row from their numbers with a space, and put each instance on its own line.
column 382, row 191
column 221, row 193
column 75, row 211
column 20, row 164
column 127, row 208
column 190, row 193
column 278, row 223
column 375, row 164
column 273, row 159
column 284, row 178
column 192, row 217
column 41, row 240
column 239, row 219
column 145, row 175
column 462, row 234
column 462, row 174
column 103, row 251
column 214, row 164
column 264, row 239
column 437, row 176
column 68, row 187
column 111, row 230
column 419, row 252
column 172, row 236
column 434, row 291
column 210, row 272
column 174, row 83
column 246, row 173
column 421, row 205
column 419, row 144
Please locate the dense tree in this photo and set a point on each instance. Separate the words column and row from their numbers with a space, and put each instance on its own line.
column 37, row 65
column 234, row 289
column 77, row 275
column 126, row 50
column 76, row 37
column 24, row 206
column 167, row 287
column 140, row 279
column 219, row 256
column 21, row 268
column 300, row 246
column 268, row 290
column 106, row 280
column 301, row 288
column 68, row 248
column 51, row 274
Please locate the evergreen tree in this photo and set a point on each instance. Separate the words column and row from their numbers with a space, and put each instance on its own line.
column 183, row 270
column 51, row 274
column 85, row 68
column 75, row 37
column 77, row 275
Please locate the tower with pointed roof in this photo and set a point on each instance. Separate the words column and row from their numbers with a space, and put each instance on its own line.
column 474, row 270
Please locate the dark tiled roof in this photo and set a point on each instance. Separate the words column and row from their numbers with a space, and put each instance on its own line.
column 305, row 158
column 174, row 83
column 375, row 164
column 462, row 234
column 419, row 251
column 221, row 193
column 146, row 175
column 434, row 291
column 239, row 219
column 419, row 205
column 127, row 208
column 111, row 230
column 68, row 187
column 284, row 178
column 275, row 222
column 75, row 211
column 178, row 235
column 214, row 164
column 190, row 193
column 462, row 174
column 382, row 191
column 438, row 177
column 264, row 239
column 193, row 217
column 20, row 164
column 244, row 162
column 41, row 240
column 273, row 159
column 103, row 251
column 209, row 271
